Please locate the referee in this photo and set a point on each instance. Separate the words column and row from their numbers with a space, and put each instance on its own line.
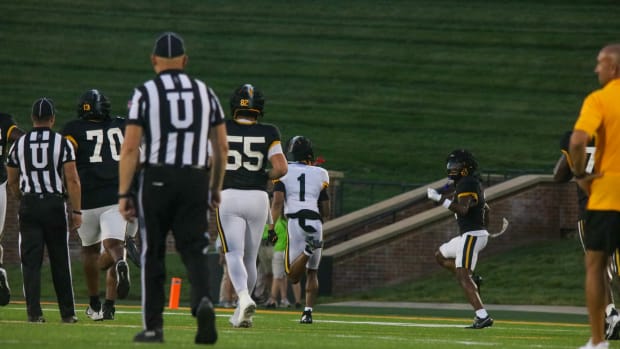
column 173, row 117
column 37, row 164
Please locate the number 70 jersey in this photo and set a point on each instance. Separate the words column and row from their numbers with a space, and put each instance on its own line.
column 302, row 186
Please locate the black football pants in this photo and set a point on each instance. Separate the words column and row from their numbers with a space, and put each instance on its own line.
column 43, row 223
column 172, row 199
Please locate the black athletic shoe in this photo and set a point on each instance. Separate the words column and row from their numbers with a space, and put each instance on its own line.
column 5, row 291
column 205, row 317
column 150, row 336
column 37, row 318
column 312, row 244
column 132, row 251
column 108, row 311
column 122, row 279
column 306, row 317
column 481, row 323
column 70, row 319
column 612, row 327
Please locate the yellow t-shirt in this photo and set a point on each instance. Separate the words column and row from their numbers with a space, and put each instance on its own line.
column 600, row 118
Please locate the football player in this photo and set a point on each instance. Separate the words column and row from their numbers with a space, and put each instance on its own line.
column 244, row 209
column 460, row 254
column 302, row 192
column 562, row 173
column 97, row 138
column 9, row 132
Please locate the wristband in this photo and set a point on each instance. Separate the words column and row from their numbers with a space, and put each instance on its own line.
column 125, row 195
column 77, row 212
column 446, row 203
column 580, row 176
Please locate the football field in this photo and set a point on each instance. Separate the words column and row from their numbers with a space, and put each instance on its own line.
column 334, row 327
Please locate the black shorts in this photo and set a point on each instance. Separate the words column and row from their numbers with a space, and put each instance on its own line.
column 602, row 231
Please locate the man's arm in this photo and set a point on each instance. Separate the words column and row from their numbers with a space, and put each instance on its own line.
column 277, row 206
column 577, row 151
column 279, row 167
column 13, row 181
column 74, row 189
column 219, row 143
column 562, row 171
column 130, row 155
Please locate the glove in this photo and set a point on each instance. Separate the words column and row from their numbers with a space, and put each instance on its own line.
column 433, row 194
column 272, row 237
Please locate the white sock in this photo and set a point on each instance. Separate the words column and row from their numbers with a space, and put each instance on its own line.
column 482, row 313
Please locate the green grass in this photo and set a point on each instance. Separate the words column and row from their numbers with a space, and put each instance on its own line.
column 376, row 328
column 385, row 89
column 549, row 273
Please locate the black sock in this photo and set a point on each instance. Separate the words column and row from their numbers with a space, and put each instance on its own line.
column 95, row 303
column 109, row 303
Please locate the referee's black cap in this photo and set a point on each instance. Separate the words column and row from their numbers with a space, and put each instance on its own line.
column 169, row 45
column 43, row 108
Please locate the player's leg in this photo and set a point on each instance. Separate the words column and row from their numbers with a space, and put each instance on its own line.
column 312, row 290
column 90, row 252
column 113, row 228
column 5, row 290
column 446, row 253
column 465, row 262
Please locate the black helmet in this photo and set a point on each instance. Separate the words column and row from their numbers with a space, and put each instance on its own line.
column 460, row 163
column 299, row 148
column 247, row 100
column 93, row 105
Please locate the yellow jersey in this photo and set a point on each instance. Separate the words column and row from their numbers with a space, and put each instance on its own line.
column 600, row 118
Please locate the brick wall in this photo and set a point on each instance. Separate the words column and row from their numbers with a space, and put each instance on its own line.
column 544, row 212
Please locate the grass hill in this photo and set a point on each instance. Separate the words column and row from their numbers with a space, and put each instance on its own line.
column 384, row 88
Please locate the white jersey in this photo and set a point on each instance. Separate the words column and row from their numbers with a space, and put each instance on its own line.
column 303, row 185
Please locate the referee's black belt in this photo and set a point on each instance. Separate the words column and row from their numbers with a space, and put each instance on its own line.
column 158, row 165
column 43, row 195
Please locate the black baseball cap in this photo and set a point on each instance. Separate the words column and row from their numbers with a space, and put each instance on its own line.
column 43, row 107
column 169, row 45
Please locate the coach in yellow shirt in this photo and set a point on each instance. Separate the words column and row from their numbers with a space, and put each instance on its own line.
column 600, row 118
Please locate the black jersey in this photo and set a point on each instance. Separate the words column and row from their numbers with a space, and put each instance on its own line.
column 6, row 127
column 249, row 144
column 97, row 147
column 474, row 219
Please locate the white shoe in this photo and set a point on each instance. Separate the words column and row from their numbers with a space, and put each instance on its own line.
column 601, row 345
column 234, row 318
column 247, row 309
column 94, row 315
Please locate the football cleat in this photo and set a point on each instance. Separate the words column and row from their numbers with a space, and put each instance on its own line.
column 95, row 315
column 149, row 336
column 5, row 291
column 306, row 317
column 247, row 309
column 132, row 251
column 480, row 323
column 312, row 244
column 122, row 279
column 612, row 327
column 108, row 311
column 205, row 316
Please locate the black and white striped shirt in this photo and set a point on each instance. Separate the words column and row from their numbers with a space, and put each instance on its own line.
column 40, row 155
column 175, row 112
